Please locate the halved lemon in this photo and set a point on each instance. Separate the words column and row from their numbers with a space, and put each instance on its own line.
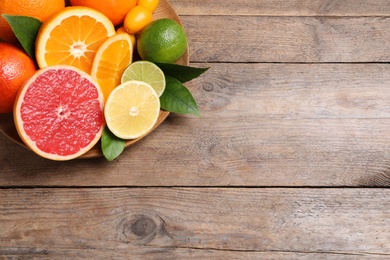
column 132, row 109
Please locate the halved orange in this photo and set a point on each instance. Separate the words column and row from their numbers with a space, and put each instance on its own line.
column 111, row 60
column 72, row 37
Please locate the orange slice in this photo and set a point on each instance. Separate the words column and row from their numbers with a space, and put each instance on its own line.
column 72, row 37
column 111, row 60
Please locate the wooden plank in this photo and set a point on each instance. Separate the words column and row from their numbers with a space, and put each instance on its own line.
column 283, row 7
column 287, row 39
column 192, row 223
column 194, row 254
column 246, row 152
column 294, row 91
column 262, row 125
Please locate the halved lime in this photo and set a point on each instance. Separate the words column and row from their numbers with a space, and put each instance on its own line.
column 147, row 72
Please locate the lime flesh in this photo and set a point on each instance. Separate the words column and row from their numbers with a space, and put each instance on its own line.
column 147, row 72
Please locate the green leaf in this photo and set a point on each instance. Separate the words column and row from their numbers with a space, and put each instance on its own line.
column 180, row 72
column 177, row 98
column 112, row 146
column 26, row 29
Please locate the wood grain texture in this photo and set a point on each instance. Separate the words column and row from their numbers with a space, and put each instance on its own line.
column 290, row 159
column 283, row 7
column 287, row 39
column 266, row 153
column 189, row 223
column 262, row 125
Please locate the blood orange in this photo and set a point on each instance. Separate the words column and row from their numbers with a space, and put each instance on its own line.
column 58, row 112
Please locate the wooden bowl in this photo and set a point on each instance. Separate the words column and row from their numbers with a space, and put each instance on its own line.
column 164, row 10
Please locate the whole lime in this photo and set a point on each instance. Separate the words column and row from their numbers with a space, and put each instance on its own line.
column 163, row 40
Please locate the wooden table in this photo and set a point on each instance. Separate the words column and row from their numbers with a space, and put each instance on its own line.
column 290, row 159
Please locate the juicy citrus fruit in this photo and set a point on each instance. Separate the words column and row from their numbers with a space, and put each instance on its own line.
column 115, row 10
column 111, row 60
column 58, row 112
column 132, row 109
column 137, row 18
column 163, row 40
column 150, row 4
column 148, row 72
column 39, row 9
column 72, row 37
column 132, row 36
column 15, row 68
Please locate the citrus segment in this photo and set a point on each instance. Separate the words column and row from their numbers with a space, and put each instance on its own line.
column 110, row 61
column 147, row 72
column 58, row 112
column 72, row 37
column 132, row 36
column 132, row 109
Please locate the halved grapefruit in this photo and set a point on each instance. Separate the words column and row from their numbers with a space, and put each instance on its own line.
column 58, row 112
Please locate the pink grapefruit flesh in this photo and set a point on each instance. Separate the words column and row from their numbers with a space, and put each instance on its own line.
column 58, row 112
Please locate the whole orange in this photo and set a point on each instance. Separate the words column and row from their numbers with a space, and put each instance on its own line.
column 39, row 9
column 115, row 10
column 15, row 68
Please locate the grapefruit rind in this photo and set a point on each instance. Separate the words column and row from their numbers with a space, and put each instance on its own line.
column 19, row 123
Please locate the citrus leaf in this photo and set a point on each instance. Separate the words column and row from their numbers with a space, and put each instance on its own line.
column 177, row 98
column 181, row 72
column 26, row 29
column 112, row 146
